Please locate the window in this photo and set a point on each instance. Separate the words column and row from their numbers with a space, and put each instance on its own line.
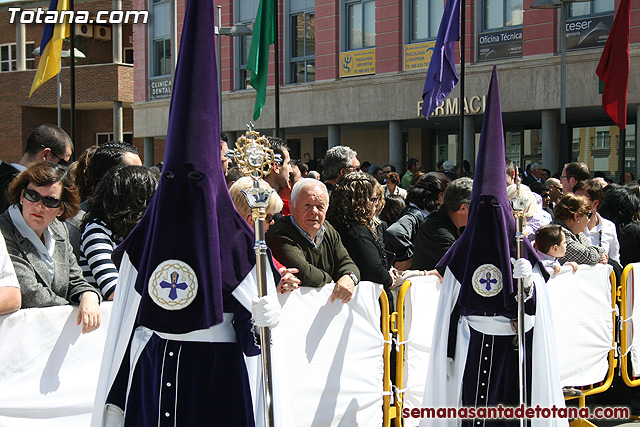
column 500, row 14
column 425, row 19
column 244, row 76
column 303, row 49
column 594, row 7
column 245, row 13
column 161, row 38
column 602, row 138
column 128, row 55
column 361, row 24
column 9, row 57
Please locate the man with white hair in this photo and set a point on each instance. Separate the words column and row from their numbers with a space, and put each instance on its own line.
column 535, row 174
column 305, row 241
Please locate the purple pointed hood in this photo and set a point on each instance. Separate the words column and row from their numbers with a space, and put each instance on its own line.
column 480, row 258
column 191, row 243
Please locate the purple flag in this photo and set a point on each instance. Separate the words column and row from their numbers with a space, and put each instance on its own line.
column 441, row 75
column 191, row 246
column 480, row 258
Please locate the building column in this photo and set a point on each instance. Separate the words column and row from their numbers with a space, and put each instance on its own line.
column 118, row 127
column 116, row 35
column 148, row 160
column 551, row 140
column 469, row 135
column 637, row 142
column 395, row 144
column 21, row 54
column 334, row 136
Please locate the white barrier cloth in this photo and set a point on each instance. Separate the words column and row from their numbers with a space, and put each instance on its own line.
column 334, row 353
column 48, row 369
column 633, row 306
column 583, row 323
column 421, row 304
column 332, row 362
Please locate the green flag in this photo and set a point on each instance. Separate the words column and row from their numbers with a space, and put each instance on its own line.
column 258, row 62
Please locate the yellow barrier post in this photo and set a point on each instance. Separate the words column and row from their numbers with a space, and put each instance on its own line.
column 399, row 331
column 627, row 377
column 388, row 412
column 581, row 422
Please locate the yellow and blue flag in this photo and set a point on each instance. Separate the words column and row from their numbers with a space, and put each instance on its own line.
column 51, row 46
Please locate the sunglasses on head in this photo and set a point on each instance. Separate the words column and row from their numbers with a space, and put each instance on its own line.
column 34, row 197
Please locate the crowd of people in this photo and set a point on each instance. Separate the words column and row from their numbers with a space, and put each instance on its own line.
column 328, row 220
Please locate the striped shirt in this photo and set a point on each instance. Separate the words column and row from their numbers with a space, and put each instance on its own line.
column 96, row 246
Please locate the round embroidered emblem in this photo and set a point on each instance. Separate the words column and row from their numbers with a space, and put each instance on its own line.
column 487, row 280
column 173, row 285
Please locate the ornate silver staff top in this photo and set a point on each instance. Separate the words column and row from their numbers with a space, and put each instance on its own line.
column 254, row 157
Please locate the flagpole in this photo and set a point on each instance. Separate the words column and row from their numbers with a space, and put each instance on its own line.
column 276, row 52
column 623, row 153
column 72, row 78
column 461, row 103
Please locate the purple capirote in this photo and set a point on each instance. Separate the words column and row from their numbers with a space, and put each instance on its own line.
column 191, row 217
column 490, row 234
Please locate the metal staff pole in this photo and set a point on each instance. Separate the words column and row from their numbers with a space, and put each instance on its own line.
column 519, row 204
column 255, row 157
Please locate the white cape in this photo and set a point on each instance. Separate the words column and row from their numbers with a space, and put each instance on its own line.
column 125, row 309
column 443, row 388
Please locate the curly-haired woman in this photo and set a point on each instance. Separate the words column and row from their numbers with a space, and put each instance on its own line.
column 116, row 206
column 351, row 210
column 38, row 243
column 572, row 213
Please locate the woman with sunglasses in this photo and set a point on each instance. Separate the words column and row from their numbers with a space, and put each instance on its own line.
column 38, row 242
column 572, row 213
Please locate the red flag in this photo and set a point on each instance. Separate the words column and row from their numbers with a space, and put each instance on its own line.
column 613, row 68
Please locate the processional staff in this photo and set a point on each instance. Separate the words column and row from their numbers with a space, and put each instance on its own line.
column 254, row 157
column 519, row 203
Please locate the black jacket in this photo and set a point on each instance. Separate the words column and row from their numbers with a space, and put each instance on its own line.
column 399, row 237
column 367, row 251
column 434, row 238
column 7, row 174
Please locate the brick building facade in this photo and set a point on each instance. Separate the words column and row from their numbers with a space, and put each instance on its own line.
column 352, row 72
column 101, row 83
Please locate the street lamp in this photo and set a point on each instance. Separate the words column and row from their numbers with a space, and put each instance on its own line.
column 237, row 30
column 562, row 4
column 63, row 54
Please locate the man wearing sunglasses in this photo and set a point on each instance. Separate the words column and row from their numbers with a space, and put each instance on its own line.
column 46, row 143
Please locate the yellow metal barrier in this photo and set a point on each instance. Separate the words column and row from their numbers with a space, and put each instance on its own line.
column 398, row 329
column 593, row 389
column 625, row 346
column 388, row 412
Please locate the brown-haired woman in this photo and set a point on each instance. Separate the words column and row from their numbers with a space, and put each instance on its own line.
column 38, row 243
column 572, row 213
column 351, row 211
column 392, row 186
